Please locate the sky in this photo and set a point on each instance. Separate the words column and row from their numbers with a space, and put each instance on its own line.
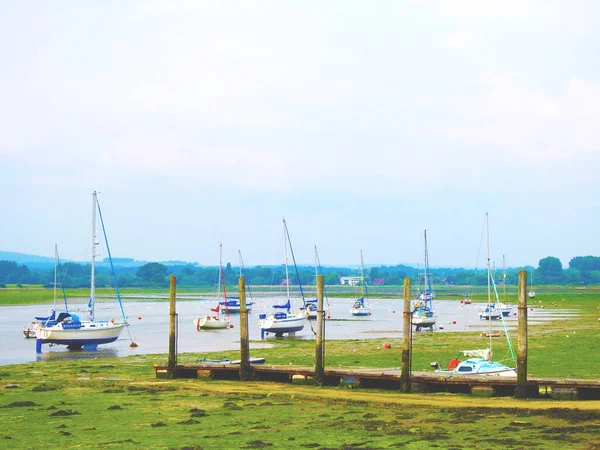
column 361, row 123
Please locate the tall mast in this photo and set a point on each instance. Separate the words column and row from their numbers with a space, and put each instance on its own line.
column 489, row 307
column 94, row 244
column 55, row 264
column 287, row 274
column 504, row 279
column 362, row 274
column 426, row 280
column 220, row 270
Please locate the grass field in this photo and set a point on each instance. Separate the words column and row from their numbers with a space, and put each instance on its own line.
column 118, row 402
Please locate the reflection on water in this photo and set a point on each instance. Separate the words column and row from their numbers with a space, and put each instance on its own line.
column 149, row 327
column 70, row 355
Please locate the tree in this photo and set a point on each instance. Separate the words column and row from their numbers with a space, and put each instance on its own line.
column 152, row 272
column 550, row 267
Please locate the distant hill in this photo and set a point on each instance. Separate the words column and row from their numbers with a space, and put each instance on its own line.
column 23, row 258
column 36, row 261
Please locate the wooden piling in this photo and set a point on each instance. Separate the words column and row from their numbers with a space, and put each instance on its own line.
column 245, row 371
column 521, row 389
column 406, row 341
column 319, row 379
column 171, row 365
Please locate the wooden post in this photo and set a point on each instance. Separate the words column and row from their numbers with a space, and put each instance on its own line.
column 406, row 341
column 245, row 373
column 172, row 364
column 521, row 390
column 319, row 352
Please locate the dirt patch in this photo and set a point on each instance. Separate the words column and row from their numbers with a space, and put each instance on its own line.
column 257, row 444
column 64, row 413
column 20, row 404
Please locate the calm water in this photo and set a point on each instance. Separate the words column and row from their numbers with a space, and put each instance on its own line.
column 149, row 327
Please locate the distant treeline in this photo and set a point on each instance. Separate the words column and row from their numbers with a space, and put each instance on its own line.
column 582, row 270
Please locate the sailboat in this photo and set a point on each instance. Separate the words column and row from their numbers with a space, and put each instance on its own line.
column 481, row 362
column 531, row 293
column 67, row 328
column 504, row 308
column 489, row 311
column 288, row 322
column 231, row 303
column 467, row 300
column 216, row 322
column 361, row 305
column 311, row 304
column 423, row 315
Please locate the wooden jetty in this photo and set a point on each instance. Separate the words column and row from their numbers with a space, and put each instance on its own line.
column 391, row 379
column 521, row 386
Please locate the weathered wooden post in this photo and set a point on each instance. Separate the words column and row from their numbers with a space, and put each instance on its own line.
column 406, row 341
column 320, row 353
column 521, row 390
column 245, row 373
column 172, row 364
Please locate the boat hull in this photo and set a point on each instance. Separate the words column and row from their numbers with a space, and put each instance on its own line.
column 211, row 323
column 281, row 323
column 360, row 311
column 480, row 367
column 234, row 309
column 90, row 333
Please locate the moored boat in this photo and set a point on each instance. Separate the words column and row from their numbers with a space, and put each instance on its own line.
column 361, row 305
column 67, row 328
column 284, row 322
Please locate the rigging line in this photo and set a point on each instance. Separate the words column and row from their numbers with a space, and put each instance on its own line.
column 510, row 348
column 112, row 268
column 62, row 281
column 294, row 260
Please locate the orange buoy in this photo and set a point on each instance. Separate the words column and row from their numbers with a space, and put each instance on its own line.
column 387, row 345
column 112, row 320
column 329, row 317
column 133, row 344
column 230, row 325
column 454, row 322
column 139, row 317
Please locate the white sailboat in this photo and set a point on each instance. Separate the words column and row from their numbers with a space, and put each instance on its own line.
column 505, row 309
column 481, row 362
column 67, row 328
column 280, row 323
column 423, row 315
column 361, row 305
column 311, row 304
column 489, row 311
column 531, row 293
column 231, row 303
column 216, row 321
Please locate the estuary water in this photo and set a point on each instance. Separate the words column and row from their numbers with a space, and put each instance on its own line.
column 149, row 326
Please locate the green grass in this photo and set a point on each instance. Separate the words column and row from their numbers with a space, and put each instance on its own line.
column 118, row 403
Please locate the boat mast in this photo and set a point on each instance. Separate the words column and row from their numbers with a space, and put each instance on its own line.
column 94, row 243
column 55, row 264
column 362, row 276
column 504, row 279
column 220, row 271
column 222, row 276
column 489, row 306
column 426, row 279
column 287, row 273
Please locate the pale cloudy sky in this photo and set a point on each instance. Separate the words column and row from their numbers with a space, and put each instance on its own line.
column 363, row 123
